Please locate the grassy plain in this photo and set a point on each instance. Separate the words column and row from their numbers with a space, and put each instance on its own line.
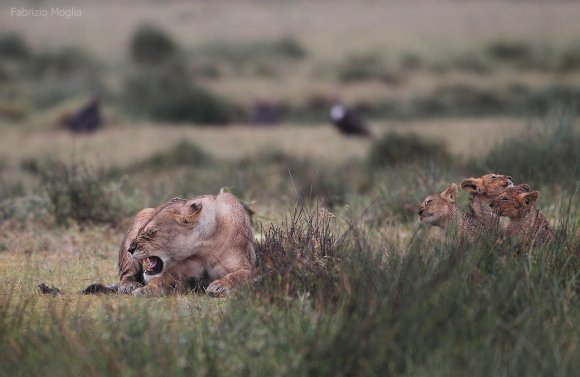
column 348, row 282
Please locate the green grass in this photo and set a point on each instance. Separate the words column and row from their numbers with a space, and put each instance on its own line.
column 331, row 300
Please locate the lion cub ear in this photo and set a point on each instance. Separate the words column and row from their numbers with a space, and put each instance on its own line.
column 450, row 193
column 192, row 217
column 530, row 198
column 472, row 185
column 523, row 187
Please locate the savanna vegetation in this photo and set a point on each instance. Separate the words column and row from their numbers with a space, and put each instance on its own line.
column 348, row 282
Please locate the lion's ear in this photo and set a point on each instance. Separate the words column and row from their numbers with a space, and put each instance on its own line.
column 472, row 185
column 450, row 193
column 524, row 187
column 195, row 209
column 530, row 198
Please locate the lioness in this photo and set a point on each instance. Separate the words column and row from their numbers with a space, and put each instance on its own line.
column 184, row 241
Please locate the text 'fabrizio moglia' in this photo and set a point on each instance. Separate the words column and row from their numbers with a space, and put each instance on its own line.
column 46, row 12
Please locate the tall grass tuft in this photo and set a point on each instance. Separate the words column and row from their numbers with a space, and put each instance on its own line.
column 397, row 148
column 546, row 153
column 82, row 194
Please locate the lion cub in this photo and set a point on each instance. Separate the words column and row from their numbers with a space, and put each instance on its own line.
column 483, row 190
column 527, row 224
column 441, row 210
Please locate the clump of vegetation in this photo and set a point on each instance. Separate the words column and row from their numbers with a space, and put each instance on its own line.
column 81, row 194
column 183, row 153
column 510, row 51
column 299, row 257
column 166, row 93
column 404, row 148
column 570, row 59
column 13, row 46
column 61, row 63
column 151, row 45
column 366, row 67
column 544, row 153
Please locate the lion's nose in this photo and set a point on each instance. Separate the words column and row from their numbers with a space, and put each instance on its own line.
column 132, row 248
column 510, row 178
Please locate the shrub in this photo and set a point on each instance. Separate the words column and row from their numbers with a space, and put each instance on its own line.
column 397, row 148
column 183, row 153
column 570, row 59
column 166, row 93
column 64, row 62
column 472, row 64
column 78, row 193
column 13, row 46
column 510, row 51
column 289, row 47
column 545, row 153
column 298, row 257
column 152, row 45
column 365, row 67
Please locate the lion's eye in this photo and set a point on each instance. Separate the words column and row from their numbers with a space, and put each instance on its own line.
column 504, row 199
column 428, row 201
column 494, row 177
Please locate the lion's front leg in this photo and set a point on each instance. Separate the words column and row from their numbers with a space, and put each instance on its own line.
column 155, row 287
column 223, row 286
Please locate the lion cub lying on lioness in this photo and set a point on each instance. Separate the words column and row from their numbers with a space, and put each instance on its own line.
column 184, row 241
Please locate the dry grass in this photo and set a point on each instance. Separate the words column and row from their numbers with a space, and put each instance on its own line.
column 123, row 145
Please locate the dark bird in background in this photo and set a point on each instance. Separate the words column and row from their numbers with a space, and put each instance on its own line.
column 87, row 118
column 347, row 121
column 267, row 113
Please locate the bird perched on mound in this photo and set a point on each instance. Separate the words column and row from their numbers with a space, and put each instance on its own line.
column 87, row 118
column 347, row 121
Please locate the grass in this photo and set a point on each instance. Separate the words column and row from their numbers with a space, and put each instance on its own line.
column 348, row 283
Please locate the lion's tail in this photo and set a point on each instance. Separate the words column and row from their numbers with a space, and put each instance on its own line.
column 95, row 289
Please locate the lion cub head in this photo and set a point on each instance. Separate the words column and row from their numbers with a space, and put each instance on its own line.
column 488, row 185
column 515, row 202
column 170, row 236
column 438, row 209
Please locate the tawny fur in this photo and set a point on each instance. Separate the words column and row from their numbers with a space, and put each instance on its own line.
column 206, row 237
column 441, row 210
column 482, row 191
column 527, row 225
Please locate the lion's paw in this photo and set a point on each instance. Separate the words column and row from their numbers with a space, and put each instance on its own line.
column 217, row 289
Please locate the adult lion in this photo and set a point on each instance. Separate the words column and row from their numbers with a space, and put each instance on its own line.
column 185, row 241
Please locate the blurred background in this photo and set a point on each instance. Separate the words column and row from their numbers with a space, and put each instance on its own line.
column 132, row 103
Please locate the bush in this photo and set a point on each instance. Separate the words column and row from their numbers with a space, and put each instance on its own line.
column 166, row 93
column 151, row 45
column 299, row 257
column 289, row 47
column 510, row 51
column 78, row 193
column 183, row 153
column 570, row 59
column 365, row 67
column 397, row 148
column 64, row 62
column 13, row 46
column 547, row 153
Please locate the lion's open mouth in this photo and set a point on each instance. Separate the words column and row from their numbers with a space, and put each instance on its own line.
column 152, row 265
